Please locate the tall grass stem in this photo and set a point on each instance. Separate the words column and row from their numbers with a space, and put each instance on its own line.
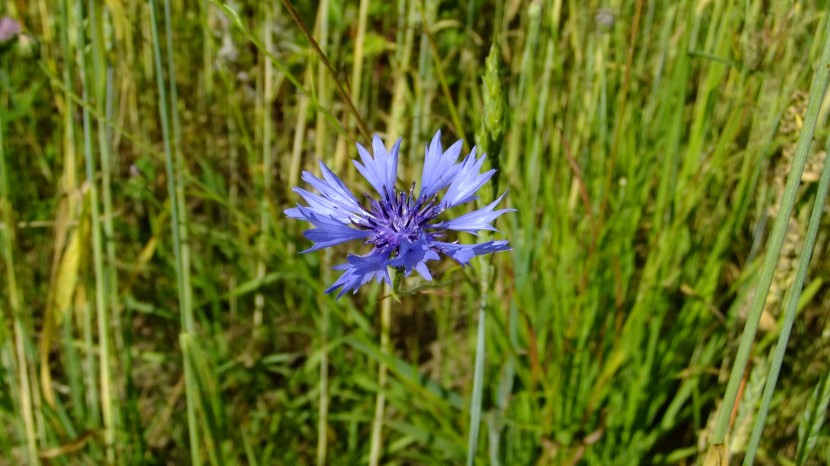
column 179, row 168
column 101, row 310
column 320, row 143
column 376, row 447
column 776, row 241
column 790, row 312
column 184, row 309
column 478, row 374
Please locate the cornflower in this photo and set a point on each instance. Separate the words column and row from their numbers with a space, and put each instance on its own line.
column 404, row 229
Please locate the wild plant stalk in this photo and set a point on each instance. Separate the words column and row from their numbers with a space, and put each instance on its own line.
column 478, row 371
column 267, row 162
column 210, row 404
column 360, row 40
column 375, row 448
column 294, row 167
column 104, row 96
column 101, row 309
column 69, row 210
column 320, row 142
column 102, row 83
column 186, row 315
column 489, row 137
column 323, row 408
column 179, row 170
column 24, row 390
column 356, row 88
column 774, row 245
column 207, row 52
column 340, row 89
column 340, row 148
column 91, row 396
column 233, row 189
column 791, row 309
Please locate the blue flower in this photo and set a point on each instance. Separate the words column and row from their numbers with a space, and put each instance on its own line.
column 403, row 229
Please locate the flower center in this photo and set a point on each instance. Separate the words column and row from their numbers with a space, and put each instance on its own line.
column 399, row 216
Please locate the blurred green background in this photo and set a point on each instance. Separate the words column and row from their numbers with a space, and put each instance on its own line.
column 644, row 144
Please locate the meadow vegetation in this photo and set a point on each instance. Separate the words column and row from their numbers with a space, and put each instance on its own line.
column 156, row 308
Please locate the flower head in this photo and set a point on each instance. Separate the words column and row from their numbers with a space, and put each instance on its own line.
column 403, row 228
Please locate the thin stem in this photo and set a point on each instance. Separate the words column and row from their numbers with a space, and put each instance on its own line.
column 340, row 89
column 380, row 401
column 320, row 142
column 185, row 311
column 789, row 315
column 267, row 162
column 102, row 84
column 357, row 69
column 356, row 80
column 322, row 414
column 68, row 210
column 478, row 374
column 186, row 290
column 101, row 310
column 774, row 245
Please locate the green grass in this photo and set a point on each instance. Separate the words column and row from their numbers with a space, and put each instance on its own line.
column 156, row 308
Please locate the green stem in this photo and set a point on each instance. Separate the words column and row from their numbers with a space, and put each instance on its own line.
column 185, row 310
column 179, row 167
column 323, row 410
column 380, row 401
column 320, row 141
column 478, row 375
column 774, row 245
column 792, row 307
column 101, row 310
column 267, row 163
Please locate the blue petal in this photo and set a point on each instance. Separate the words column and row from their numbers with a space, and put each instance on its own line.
column 464, row 253
column 334, row 199
column 361, row 269
column 476, row 220
column 294, row 212
column 439, row 167
column 322, row 206
column 413, row 255
column 466, row 181
column 382, row 170
column 329, row 231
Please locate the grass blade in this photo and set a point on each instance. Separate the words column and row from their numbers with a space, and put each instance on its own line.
column 775, row 243
column 175, row 230
column 790, row 314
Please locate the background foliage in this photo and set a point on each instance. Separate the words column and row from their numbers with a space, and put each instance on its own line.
column 644, row 144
